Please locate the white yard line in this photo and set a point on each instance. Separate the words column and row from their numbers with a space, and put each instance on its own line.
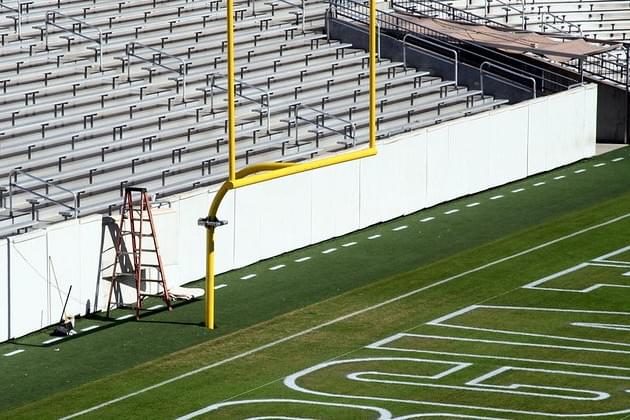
column 299, row 260
column 120, row 318
column 518, row 190
column 559, row 177
column 52, row 340
column 427, row 219
column 220, row 286
column 400, row 228
column 617, row 159
column 473, row 204
column 153, row 308
column 579, row 171
column 249, row 276
column 329, row 250
column 13, row 353
column 277, row 267
column 598, row 165
column 538, row 184
column 374, row 236
column 451, row 211
column 93, row 327
column 496, row 197
column 349, row 244
column 344, row 317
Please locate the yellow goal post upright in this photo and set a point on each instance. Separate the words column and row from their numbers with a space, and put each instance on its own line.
column 267, row 171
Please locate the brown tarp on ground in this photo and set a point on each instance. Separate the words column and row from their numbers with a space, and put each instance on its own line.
column 512, row 41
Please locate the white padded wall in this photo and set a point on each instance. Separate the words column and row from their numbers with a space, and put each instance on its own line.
column 330, row 187
column 507, row 151
column 437, row 165
column 90, row 229
column 4, row 290
column 468, row 156
column 64, row 269
column 191, row 241
column 538, row 136
column 167, row 231
column 590, row 120
column 393, row 183
column 28, row 282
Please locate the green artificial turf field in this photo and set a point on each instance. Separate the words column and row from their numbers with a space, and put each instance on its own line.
column 513, row 306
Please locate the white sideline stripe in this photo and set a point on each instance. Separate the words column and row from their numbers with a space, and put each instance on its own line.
column 496, row 197
column 427, row 219
column 277, row 267
column 472, row 204
column 518, row 190
column 249, row 276
column 328, row 251
column 451, row 211
column 93, row 327
column 153, row 308
column 13, row 353
column 579, row 171
column 52, row 340
column 120, row 318
column 617, row 159
column 598, row 165
column 220, row 286
column 299, row 260
column 349, row 244
column 400, row 228
column 538, row 184
column 559, row 177
column 345, row 317
column 374, row 236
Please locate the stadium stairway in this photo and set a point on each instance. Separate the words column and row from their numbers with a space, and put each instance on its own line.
column 135, row 95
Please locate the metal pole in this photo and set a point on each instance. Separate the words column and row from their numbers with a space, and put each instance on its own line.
column 372, row 55
column 231, row 93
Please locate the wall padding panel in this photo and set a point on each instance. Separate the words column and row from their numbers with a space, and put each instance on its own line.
column 437, row 165
column 330, row 187
column 90, row 239
column 507, row 153
column 590, row 121
column 29, row 283
column 64, row 269
column 539, row 136
column 468, row 162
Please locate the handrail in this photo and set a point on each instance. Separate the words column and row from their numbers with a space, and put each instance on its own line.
column 562, row 20
column 266, row 94
column 300, row 6
column 323, row 113
column 446, row 11
column 454, row 51
column 99, row 41
column 130, row 50
column 19, row 15
column 13, row 184
column 520, row 12
column 489, row 64
column 352, row 10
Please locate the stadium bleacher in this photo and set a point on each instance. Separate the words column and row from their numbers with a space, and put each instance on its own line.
column 97, row 96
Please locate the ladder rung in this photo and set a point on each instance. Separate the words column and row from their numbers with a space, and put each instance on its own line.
column 150, row 265
column 152, row 281
column 148, row 250
column 125, row 275
column 152, row 295
column 128, row 232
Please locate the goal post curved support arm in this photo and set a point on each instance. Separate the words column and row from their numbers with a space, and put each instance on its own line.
column 262, row 172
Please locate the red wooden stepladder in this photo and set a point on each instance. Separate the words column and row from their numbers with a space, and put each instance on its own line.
column 135, row 218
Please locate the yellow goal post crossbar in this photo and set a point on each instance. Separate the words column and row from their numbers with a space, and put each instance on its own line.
column 267, row 171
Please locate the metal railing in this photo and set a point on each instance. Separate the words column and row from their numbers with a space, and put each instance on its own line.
column 302, row 6
column 496, row 66
column 435, row 44
column 13, row 184
column 19, row 15
column 439, row 10
column 156, row 60
column 53, row 22
column 469, row 52
column 350, row 128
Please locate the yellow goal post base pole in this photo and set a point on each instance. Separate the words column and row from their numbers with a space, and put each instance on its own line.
column 262, row 172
